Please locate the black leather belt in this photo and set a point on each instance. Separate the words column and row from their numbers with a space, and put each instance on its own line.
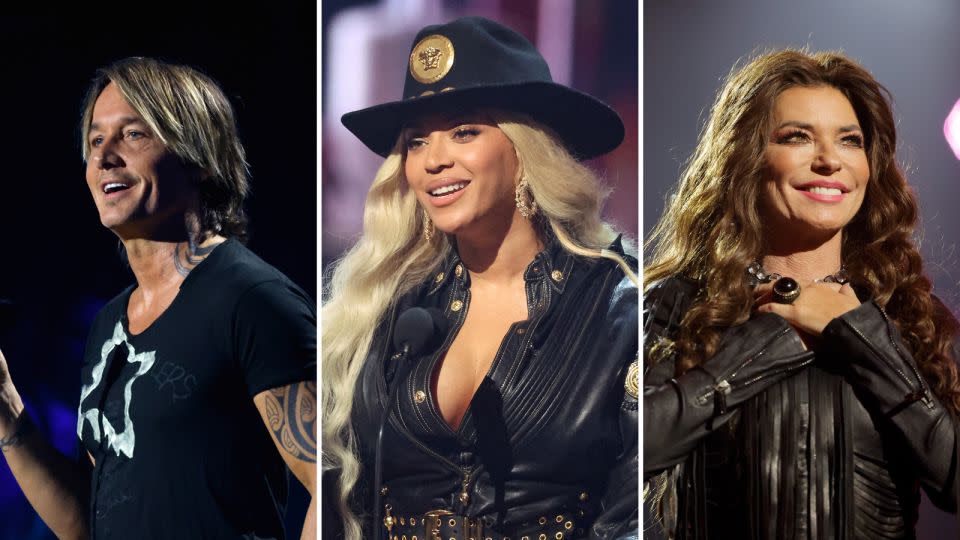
column 445, row 525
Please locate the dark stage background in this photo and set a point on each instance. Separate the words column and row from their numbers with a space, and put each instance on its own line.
column 58, row 264
column 911, row 48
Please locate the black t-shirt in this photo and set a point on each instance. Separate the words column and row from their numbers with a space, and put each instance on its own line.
column 181, row 451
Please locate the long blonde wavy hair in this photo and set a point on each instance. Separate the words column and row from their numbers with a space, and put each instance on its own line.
column 711, row 230
column 392, row 257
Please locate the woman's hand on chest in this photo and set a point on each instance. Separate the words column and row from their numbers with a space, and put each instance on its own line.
column 813, row 309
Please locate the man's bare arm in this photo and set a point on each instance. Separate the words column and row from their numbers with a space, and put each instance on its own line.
column 290, row 414
column 55, row 485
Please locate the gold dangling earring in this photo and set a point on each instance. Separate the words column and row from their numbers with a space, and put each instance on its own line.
column 526, row 209
column 427, row 227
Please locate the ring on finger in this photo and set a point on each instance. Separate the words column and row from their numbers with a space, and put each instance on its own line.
column 785, row 290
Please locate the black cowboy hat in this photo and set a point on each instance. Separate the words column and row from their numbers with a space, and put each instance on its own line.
column 475, row 62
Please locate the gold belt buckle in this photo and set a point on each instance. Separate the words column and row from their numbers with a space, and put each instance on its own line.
column 471, row 529
column 432, row 523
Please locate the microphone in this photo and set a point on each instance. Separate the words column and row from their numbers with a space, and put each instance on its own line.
column 418, row 329
column 417, row 332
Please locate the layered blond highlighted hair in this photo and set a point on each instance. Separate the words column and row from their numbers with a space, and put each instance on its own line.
column 193, row 118
column 392, row 257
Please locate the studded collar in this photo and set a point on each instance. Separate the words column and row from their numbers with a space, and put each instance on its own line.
column 553, row 264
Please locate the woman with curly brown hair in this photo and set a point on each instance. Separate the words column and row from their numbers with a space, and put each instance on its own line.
column 799, row 378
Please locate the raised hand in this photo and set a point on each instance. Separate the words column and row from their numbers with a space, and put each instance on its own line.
column 817, row 305
column 10, row 402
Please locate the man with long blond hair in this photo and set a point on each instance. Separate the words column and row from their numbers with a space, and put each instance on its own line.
column 199, row 379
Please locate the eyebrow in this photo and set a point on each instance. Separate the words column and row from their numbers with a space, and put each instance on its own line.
column 123, row 121
column 803, row 125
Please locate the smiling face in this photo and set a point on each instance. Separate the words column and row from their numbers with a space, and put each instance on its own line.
column 137, row 184
column 463, row 171
column 816, row 163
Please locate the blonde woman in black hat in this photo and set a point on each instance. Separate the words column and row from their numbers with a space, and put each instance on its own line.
column 513, row 397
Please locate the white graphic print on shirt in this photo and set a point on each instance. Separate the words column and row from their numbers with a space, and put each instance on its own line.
column 123, row 442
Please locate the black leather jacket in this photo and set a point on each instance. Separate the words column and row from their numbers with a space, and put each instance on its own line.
column 767, row 440
column 549, row 443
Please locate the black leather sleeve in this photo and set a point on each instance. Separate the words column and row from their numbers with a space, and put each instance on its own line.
column 883, row 372
column 619, row 518
column 679, row 412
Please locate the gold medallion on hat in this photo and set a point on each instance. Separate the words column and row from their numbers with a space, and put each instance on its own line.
column 431, row 59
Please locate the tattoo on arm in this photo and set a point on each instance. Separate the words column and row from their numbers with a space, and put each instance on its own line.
column 24, row 427
column 292, row 417
column 11, row 442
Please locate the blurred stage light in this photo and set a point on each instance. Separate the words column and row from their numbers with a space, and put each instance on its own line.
column 951, row 129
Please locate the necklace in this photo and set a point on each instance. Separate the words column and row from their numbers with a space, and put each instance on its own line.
column 757, row 275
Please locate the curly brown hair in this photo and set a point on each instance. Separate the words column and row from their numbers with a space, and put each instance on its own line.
column 711, row 230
